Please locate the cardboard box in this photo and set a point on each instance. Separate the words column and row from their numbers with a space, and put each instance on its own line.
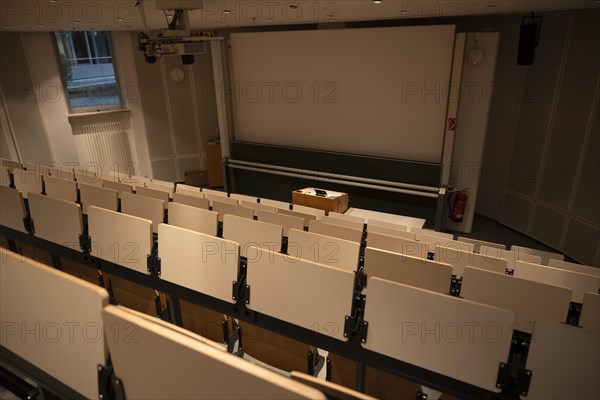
column 333, row 201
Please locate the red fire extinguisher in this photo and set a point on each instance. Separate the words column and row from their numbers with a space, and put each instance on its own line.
column 458, row 205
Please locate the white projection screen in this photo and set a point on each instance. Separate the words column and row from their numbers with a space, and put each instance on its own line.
column 371, row 91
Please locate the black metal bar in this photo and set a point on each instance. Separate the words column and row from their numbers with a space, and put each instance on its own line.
column 17, row 386
column 361, row 372
column 176, row 311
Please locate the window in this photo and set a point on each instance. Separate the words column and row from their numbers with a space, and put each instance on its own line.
column 88, row 72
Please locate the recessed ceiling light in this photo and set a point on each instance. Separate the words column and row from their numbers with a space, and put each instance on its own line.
column 52, row 1
column 226, row 11
column 377, row 1
column 76, row 22
column 7, row 27
column 120, row 19
column 38, row 24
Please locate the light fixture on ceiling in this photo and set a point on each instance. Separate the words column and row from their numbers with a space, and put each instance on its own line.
column 7, row 27
column 120, row 19
column 76, row 22
column 226, row 11
column 38, row 24
column 377, row 1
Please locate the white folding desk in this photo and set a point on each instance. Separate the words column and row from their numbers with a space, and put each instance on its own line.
column 546, row 256
column 249, row 233
column 257, row 206
column 413, row 271
column 120, row 238
column 189, row 190
column 478, row 243
column 62, row 189
column 226, row 208
column 200, row 262
column 27, row 181
column 381, row 216
column 155, row 194
column 341, row 221
column 577, row 282
column 569, row 266
column 143, row 207
column 278, row 288
column 529, row 300
column 564, row 361
column 163, row 186
column 243, row 197
column 397, row 245
column 460, row 259
column 323, row 249
column 444, row 334
column 92, row 195
column 337, row 231
column 165, row 363
column 286, row 221
column 12, row 209
column 193, row 218
column 191, row 200
column 66, row 314
column 56, row 220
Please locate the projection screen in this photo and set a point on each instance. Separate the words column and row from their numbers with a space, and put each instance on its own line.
column 371, row 91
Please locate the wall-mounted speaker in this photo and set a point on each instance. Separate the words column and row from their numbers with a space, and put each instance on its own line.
column 528, row 40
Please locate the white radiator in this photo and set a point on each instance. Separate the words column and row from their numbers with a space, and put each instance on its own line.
column 106, row 145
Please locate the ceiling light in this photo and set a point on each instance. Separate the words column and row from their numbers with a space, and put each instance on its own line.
column 38, row 24
column 226, row 11
column 120, row 19
column 7, row 27
column 377, row 1
column 76, row 22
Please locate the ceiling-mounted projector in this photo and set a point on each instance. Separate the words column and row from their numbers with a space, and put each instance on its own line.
column 176, row 40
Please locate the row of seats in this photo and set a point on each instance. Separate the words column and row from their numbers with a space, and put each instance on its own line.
column 59, row 183
column 67, row 329
column 245, row 232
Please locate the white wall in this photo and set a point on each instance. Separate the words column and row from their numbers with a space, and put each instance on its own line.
column 474, row 104
column 179, row 117
column 41, row 55
column 542, row 154
column 20, row 101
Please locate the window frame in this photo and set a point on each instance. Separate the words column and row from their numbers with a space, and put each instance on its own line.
column 93, row 108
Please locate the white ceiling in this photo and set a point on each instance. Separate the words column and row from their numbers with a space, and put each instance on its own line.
column 48, row 15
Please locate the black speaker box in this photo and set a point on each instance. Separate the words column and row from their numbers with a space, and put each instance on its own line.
column 527, row 43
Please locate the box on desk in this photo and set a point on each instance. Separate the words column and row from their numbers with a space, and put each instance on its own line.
column 331, row 201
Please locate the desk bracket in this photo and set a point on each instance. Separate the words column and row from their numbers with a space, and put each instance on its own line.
column 153, row 263
column 240, row 291
column 109, row 386
column 28, row 224
column 85, row 242
column 513, row 378
column 355, row 325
